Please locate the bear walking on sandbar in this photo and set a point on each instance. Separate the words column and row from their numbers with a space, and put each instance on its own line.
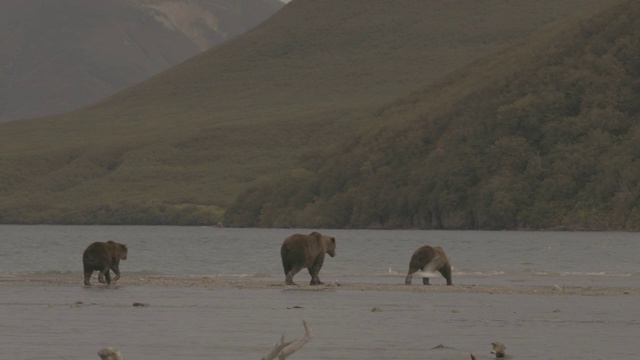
column 102, row 256
column 429, row 259
column 300, row 251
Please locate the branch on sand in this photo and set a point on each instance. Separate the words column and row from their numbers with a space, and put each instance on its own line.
column 281, row 351
column 284, row 349
column 498, row 349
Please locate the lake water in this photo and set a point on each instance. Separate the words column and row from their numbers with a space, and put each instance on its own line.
column 42, row 322
column 478, row 257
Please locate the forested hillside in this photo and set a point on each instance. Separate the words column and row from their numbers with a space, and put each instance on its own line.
column 181, row 146
column 545, row 135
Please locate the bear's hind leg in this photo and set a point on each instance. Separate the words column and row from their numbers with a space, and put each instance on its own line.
column 87, row 277
column 292, row 272
column 104, row 276
column 101, row 277
column 446, row 273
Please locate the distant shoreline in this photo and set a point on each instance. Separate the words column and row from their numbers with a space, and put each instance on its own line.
column 215, row 282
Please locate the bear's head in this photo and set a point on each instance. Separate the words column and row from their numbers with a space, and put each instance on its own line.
column 330, row 244
column 123, row 251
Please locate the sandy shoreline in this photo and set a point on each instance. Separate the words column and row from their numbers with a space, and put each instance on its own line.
column 215, row 282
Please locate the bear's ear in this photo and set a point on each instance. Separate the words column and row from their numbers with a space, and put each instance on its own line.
column 316, row 234
column 333, row 240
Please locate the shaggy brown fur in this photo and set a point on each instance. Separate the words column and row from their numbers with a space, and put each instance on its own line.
column 300, row 251
column 432, row 258
column 102, row 256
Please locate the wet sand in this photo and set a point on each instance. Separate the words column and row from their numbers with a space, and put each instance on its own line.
column 155, row 317
column 215, row 282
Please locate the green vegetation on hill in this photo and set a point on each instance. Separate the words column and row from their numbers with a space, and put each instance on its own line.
column 544, row 135
column 181, row 146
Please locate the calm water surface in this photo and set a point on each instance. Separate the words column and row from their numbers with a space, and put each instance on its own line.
column 478, row 257
column 42, row 322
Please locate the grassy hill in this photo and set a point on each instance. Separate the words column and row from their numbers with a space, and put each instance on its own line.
column 57, row 56
column 543, row 135
column 179, row 147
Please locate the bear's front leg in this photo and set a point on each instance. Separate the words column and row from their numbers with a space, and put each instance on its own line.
column 314, row 271
column 116, row 271
column 316, row 281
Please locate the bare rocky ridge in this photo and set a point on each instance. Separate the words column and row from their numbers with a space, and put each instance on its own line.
column 59, row 56
column 191, row 19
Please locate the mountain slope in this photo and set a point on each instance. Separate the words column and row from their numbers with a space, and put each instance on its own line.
column 56, row 56
column 544, row 135
column 179, row 147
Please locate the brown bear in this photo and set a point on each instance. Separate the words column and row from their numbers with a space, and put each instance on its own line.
column 102, row 256
column 429, row 259
column 300, row 251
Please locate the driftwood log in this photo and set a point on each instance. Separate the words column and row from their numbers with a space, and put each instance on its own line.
column 284, row 349
column 109, row 353
column 281, row 351
column 498, row 349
